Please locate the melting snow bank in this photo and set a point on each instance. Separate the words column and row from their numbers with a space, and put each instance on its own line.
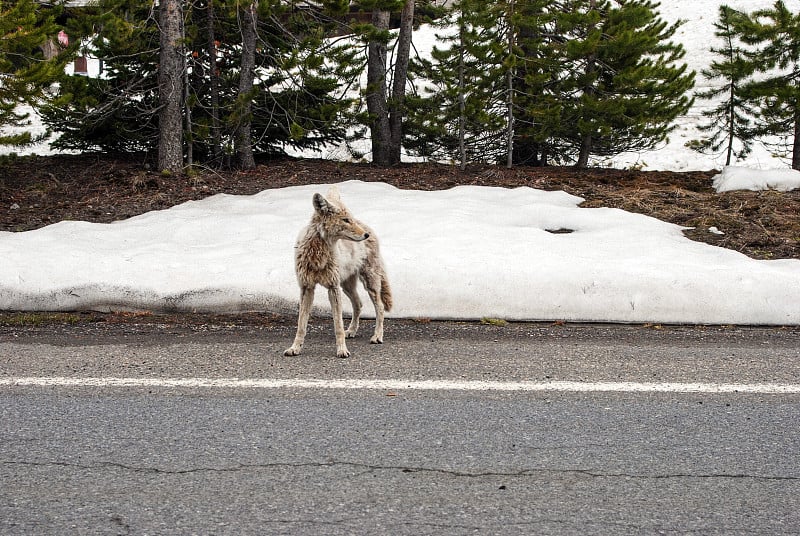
column 468, row 252
column 740, row 178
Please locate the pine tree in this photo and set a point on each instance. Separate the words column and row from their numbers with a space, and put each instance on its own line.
column 572, row 78
column 775, row 34
column 627, row 84
column 730, row 121
column 458, row 112
column 313, row 69
column 295, row 98
column 117, row 111
column 537, row 62
column 489, row 95
column 26, row 27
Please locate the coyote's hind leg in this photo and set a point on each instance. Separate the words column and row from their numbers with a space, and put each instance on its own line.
column 349, row 286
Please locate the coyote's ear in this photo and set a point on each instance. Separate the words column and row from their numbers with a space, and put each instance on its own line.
column 322, row 205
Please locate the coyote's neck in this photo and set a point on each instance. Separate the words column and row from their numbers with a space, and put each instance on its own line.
column 316, row 259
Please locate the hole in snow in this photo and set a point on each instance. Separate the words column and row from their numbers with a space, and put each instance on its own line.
column 560, row 231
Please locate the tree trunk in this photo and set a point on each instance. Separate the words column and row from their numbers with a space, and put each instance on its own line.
column 243, row 142
column 386, row 114
column 397, row 102
column 586, row 150
column 172, row 64
column 377, row 105
column 187, row 113
column 589, row 90
column 213, row 75
column 510, row 90
column 731, row 124
column 796, row 145
column 462, row 95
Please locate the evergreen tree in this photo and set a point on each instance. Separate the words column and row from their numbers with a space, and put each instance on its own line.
column 295, row 98
column 567, row 79
column 299, row 79
column 487, row 95
column 730, row 121
column 26, row 28
column 314, row 70
column 775, row 34
column 538, row 63
column 459, row 112
column 117, row 111
column 627, row 85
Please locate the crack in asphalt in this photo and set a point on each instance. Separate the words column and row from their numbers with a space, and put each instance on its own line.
column 369, row 468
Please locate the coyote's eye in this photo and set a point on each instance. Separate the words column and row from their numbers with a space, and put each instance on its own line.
column 346, row 220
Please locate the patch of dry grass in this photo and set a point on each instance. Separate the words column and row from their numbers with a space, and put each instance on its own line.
column 762, row 225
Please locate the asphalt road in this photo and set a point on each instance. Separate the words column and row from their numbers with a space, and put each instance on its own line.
column 447, row 428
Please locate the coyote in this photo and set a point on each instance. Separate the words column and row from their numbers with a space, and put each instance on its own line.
column 336, row 250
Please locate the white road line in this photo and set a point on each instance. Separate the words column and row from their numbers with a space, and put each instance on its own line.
column 400, row 385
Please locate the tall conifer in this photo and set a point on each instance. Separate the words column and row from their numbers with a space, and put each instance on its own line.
column 570, row 79
column 775, row 34
column 26, row 29
column 296, row 97
column 458, row 111
column 628, row 83
column 729, row 122
column 116, row 111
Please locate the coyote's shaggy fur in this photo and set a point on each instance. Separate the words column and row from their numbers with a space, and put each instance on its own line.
column 337, row 250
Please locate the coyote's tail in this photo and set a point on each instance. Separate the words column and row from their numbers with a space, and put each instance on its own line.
column 386, row 293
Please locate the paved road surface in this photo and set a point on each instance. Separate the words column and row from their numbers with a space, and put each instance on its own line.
column 447, row 428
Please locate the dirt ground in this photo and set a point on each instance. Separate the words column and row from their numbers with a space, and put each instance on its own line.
column 37, row 191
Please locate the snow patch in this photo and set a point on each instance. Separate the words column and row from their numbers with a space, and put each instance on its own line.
column 469, row 252
column 739, row 178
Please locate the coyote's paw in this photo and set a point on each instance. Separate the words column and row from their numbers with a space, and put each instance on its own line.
column 376, row 339
column 350, row 334
column 343, row 353
column 292, row 351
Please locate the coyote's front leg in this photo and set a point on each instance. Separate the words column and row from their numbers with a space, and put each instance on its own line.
column 335, row 296
column 306, row 302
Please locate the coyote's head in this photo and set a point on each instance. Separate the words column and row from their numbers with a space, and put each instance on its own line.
column 333, row 219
